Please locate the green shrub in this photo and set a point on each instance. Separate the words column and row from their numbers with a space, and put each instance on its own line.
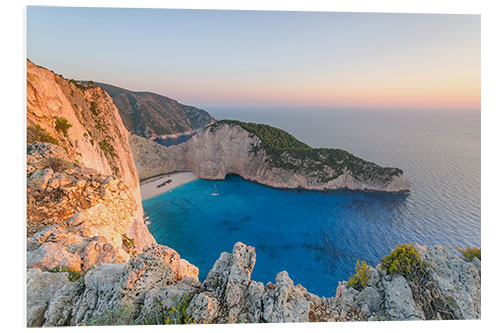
column 129, row 245
column 272, row 137
column 121, row 316
column 360, row 278
column 79, row 85
column 38, row 133
column 73, row 274
column 127, row 315
column 62, row 125
column 107, row 147
column 178, row 314
column 404, row 260
column 115, row 169
column 57, row 164
column 93, row 108
column 471, row 253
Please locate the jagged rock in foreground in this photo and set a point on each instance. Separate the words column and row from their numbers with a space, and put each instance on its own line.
column 230, row 147
column 158, row 287
column 119, row 288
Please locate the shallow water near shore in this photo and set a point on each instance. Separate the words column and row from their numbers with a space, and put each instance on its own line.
column 318, row 236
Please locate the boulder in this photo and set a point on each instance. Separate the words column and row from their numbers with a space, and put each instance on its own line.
column 41, row 288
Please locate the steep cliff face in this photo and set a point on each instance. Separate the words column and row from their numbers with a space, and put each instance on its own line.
column 153, row 159
column 82, row 120
column 154, row 116
column 228, row 148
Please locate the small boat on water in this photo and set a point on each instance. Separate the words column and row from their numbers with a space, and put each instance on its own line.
column 215, row 192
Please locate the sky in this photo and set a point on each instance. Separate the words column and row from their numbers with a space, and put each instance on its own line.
column 210, row 58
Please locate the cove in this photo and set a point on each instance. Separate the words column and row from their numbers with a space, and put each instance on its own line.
column 316, row 236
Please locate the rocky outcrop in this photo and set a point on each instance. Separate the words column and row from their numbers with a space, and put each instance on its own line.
column 129, row 289
column 153, row 159
column 227, row 148
column 158, row 287
column 154, row 116
column 77, row 218
column 84, row 129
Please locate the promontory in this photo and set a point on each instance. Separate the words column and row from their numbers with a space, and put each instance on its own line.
column 266, row 155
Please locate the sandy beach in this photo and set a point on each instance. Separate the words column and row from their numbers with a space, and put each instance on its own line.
column 149, row 187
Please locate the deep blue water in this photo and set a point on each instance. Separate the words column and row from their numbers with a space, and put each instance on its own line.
column 318, row 236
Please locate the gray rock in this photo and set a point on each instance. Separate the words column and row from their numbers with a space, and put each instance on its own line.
column 399, row 301
column 164, row 302
column 254, row 304
column 284, row 302
column 242, row 263
column 38, row 179
column 370, row 297
column 50, row 256
column 157, row 284
column 41, row 288
column 60, row 310
column 102, row 293
column 457, row 278
column 204, row 307
column 228, row 282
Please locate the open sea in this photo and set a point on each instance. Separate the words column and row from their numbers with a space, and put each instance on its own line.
column 318, row 236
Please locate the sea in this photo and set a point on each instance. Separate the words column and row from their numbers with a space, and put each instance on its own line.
column 318, row 237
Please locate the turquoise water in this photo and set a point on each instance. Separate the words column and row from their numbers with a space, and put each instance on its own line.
column 318, row 236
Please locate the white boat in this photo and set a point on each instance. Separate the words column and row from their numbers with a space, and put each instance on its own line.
column 215, row 192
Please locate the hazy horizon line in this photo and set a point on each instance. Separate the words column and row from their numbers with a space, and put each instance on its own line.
column 277, row 107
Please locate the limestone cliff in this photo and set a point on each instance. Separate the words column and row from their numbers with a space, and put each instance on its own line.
column 153, row 159
column 82, row 120
column 157, row 287
column 229, row 147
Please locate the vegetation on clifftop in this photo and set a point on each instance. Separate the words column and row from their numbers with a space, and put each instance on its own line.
column 360, row 278
column 38, row 133
column 404, row 260
column 286, row 152
column 471, row 253
column 62, row 125
column 272, row 137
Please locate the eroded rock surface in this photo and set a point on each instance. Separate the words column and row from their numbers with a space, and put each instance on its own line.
column 91, row 137
column 157, row 287
column 77, row 217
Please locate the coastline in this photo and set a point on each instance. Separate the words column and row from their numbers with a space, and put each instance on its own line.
column 149, row 187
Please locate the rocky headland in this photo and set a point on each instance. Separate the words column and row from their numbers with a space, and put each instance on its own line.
column 92, row 261
column 265, row 155
column 154, row 116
